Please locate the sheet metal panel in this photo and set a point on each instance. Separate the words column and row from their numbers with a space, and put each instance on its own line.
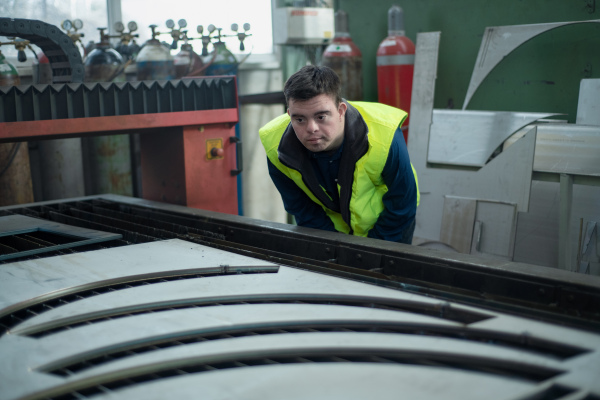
column 565, row 149
column 470, row 138
column 588, row 109
column 297, row 325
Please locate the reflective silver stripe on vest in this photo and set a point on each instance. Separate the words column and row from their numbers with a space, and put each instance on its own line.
column 399, row 59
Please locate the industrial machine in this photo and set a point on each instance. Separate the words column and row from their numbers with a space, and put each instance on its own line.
column 138, row 299
column 177, row 120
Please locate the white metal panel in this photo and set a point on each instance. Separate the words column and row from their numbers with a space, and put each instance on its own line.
column 588, row 106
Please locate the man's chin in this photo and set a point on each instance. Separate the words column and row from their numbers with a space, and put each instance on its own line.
column 315, row 147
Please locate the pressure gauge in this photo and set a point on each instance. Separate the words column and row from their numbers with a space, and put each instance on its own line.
column 211, row 28
column 132, row 26
column 246, row 26
column 182, row 23
column 77, row 24
column 170, row 24
column 234, row 27
column 119, row 27
column 67, row 24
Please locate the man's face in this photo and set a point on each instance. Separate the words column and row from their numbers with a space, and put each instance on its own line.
column 318, row 122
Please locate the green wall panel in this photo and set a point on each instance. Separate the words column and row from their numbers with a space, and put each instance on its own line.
column 541, row 75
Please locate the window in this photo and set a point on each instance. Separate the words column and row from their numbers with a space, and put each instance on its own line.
column 219, row 13
column 93, row 13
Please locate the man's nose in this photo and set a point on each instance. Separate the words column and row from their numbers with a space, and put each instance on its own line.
column 312, row 126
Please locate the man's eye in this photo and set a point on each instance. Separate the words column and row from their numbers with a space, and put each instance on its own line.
column 299, row 120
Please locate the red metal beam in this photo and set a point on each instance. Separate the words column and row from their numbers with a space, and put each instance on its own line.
column 94, row 126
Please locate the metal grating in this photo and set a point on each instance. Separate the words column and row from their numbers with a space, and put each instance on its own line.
column 22, row 236
column 504, row 369
column 554, row 392
column 100, row 99
column 106, row 216
column 552, row 350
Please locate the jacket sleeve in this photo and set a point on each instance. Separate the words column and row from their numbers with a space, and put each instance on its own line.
column 306, row 212
column 396, row 222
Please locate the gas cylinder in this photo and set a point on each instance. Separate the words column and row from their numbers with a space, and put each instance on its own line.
column 395, row 66
column 154, row 61
column 345, row 58
column 187, row 62
column 103, row 64
column 127, row 47
column 8, row 73
column 223, row 62
column 107, row 159
column 41, row 72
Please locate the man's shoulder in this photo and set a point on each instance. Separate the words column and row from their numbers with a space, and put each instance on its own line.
column 380, row 113
column 276, row 124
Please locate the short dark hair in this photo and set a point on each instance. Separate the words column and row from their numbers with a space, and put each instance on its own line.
column 311, row 81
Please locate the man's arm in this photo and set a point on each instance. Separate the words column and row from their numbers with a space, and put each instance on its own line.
column 396, row 222
column 296, row 202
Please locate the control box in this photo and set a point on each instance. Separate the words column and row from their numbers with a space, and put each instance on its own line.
column 303, row 25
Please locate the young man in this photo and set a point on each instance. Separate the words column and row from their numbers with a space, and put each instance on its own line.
column 341, row 166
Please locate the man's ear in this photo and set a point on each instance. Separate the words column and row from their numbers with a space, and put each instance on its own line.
column 342, row 108
column 288, row 111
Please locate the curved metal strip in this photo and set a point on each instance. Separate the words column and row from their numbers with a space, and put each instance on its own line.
column 499, row 41
column 451, row 353
column 287, row 285
column 137, row 331
column 469, row 138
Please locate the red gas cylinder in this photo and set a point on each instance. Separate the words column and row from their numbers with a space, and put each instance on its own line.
column 345, row 58
column 395, row 66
